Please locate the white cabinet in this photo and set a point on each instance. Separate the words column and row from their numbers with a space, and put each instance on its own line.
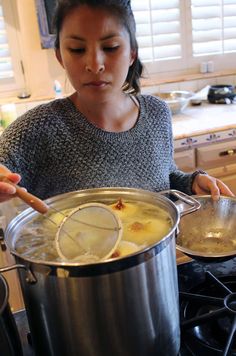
column 219, row 160
column 230, row 181
column 227, row 174
column 185, row 160
column 21, row 108
column 214, row 153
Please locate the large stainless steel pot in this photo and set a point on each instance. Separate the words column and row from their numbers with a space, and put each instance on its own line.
column 123, row 307
column 10, row 344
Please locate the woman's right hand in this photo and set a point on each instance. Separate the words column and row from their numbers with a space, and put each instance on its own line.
column 7, row 191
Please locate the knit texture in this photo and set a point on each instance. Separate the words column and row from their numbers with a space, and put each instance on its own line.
column 57, row 150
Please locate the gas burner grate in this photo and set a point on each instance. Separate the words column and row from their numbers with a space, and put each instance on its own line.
column 208, row 316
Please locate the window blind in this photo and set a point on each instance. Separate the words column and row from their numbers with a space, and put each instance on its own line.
column 158, row 29
column 6, row 70
column 213, row 26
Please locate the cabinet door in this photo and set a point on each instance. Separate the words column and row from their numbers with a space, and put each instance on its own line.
column 7, row 259
column 230, row 181
column 216, row 155
column 15, row 294
column 185, row 160
column 227, row 174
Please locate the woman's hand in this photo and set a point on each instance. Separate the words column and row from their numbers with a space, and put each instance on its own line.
column 7, row 191
column 205, row 184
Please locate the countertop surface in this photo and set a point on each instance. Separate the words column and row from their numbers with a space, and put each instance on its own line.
column 203, row 119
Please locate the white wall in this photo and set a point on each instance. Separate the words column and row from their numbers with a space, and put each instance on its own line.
column 41, row 66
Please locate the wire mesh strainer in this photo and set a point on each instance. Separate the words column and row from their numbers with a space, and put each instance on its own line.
column 89, row 233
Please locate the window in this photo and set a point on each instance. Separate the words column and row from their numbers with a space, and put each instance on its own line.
column 11, row 76
column 180, row 34
column 6, row 70
column 213, row 27
column 158, row 29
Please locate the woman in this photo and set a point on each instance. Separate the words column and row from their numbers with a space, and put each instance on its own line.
column 102, row 135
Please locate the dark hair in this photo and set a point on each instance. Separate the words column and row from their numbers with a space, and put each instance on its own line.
column 122, row 10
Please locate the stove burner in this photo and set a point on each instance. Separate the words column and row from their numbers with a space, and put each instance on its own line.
column 230, row 302
column 208, row 316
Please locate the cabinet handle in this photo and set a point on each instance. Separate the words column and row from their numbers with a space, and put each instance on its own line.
column 230, row 152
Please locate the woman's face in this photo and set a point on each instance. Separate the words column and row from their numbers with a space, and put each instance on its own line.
column 95, row 52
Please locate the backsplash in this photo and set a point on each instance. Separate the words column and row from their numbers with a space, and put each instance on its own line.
column 194, row 85
column 19, row 109
column 23, row 107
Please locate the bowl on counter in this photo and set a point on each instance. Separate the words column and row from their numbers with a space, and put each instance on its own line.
column 177, row 100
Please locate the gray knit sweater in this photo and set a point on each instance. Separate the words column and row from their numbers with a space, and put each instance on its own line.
column 57, row 150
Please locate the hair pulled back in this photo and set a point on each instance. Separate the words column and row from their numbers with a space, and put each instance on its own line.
column 122, row 10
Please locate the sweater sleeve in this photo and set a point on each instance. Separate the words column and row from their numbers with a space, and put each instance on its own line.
column 181, row 181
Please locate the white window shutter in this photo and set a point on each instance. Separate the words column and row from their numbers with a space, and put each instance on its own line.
column 213, row 27
column 229, row 26
column 6, row 70
column 11, row 75
column 158, row 29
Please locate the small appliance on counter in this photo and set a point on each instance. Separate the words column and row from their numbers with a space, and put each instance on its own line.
column 222, row 94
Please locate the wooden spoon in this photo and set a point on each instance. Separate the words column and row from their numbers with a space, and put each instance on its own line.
column 30, row 199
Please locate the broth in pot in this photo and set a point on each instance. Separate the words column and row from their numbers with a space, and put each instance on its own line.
column 144, row 224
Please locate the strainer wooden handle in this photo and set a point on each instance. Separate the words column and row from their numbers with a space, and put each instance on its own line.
column 30, row 199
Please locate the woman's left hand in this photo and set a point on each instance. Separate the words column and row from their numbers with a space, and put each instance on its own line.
column 205, row 184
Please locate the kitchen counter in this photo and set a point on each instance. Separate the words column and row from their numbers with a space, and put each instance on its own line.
column 203, row 119
column 182, row 258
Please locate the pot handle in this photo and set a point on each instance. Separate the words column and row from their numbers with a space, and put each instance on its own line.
column 3, row 246
column 30, row 278
column 182, row 197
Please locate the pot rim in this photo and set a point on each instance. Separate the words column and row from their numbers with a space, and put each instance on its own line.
column 155, row 196
column 196, row 255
